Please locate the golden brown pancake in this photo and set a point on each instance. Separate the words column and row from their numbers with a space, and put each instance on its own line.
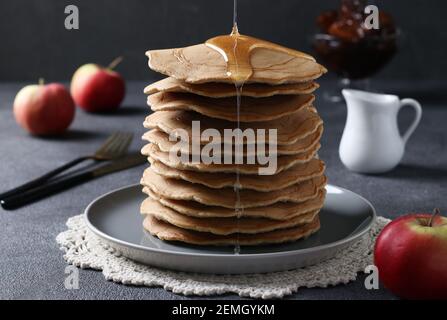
column 282, row 162
column 221, row 226
column 224, row 90
column 200, row 64
column 217, row 180
column 169, row 232
column 276, row 211
column 161, row 140
column 251, row 109
column 227, row 197
column 289, row 130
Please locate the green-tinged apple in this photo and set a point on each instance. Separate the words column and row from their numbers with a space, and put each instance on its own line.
column 44, row 109
column 411, row 255
column 98, row 89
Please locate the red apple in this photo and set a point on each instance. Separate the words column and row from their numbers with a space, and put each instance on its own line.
column 411, row 255
column 98, row 89
column 44, row 109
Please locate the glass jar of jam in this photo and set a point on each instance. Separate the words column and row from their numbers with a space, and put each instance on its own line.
column 347, row 47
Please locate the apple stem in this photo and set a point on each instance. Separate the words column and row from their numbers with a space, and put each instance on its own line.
column 115, row 62
column 436, row 212
column 41, row 81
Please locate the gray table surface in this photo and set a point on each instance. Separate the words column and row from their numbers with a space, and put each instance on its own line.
column 31, row 264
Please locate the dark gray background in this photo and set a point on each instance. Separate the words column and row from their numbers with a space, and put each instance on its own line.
column 34, row 42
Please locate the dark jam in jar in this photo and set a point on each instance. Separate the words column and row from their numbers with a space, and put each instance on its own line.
column 350, row 49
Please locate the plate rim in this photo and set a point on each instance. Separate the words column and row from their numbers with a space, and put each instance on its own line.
column 334, row 244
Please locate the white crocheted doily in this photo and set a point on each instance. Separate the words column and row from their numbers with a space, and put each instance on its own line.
column 85, row 250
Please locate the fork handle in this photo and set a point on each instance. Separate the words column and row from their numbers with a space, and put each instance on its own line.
column 46, row 190
column 38, row 181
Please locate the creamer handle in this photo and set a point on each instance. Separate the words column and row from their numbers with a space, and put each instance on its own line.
column 418, row 109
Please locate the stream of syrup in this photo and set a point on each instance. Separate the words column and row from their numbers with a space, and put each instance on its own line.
column 239, row 72
column 237, row 186
column 238, row 86
column 236, row 50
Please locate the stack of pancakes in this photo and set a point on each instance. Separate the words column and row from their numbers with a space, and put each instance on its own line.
column 195, row 202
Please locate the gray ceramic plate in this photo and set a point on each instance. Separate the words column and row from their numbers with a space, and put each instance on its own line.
column 116, row 219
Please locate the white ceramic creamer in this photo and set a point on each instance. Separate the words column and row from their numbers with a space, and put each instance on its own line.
column 371, row 142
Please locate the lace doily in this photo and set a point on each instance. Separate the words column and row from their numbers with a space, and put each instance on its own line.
column 85, row 250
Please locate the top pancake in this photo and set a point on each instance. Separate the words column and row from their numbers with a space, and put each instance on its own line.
column 200, row 64
column 225, row 90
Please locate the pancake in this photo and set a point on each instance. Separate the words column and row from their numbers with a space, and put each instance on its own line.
column 169, row 232
column 276, row 211
column 226, row 197
column 161, row 140
column 289, row 130
column 224, row 90
column 200, row 64
column 218, row 180
column 282, row 162
column 251, row 109
column 221, row 226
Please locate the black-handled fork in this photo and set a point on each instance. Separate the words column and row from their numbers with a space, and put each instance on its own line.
column 114, row 147
column 63, row 183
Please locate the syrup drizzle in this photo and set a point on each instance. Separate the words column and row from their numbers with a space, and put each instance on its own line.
column 228, row 46
column 238, row 86
column 236, row 50
column 237, row 186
